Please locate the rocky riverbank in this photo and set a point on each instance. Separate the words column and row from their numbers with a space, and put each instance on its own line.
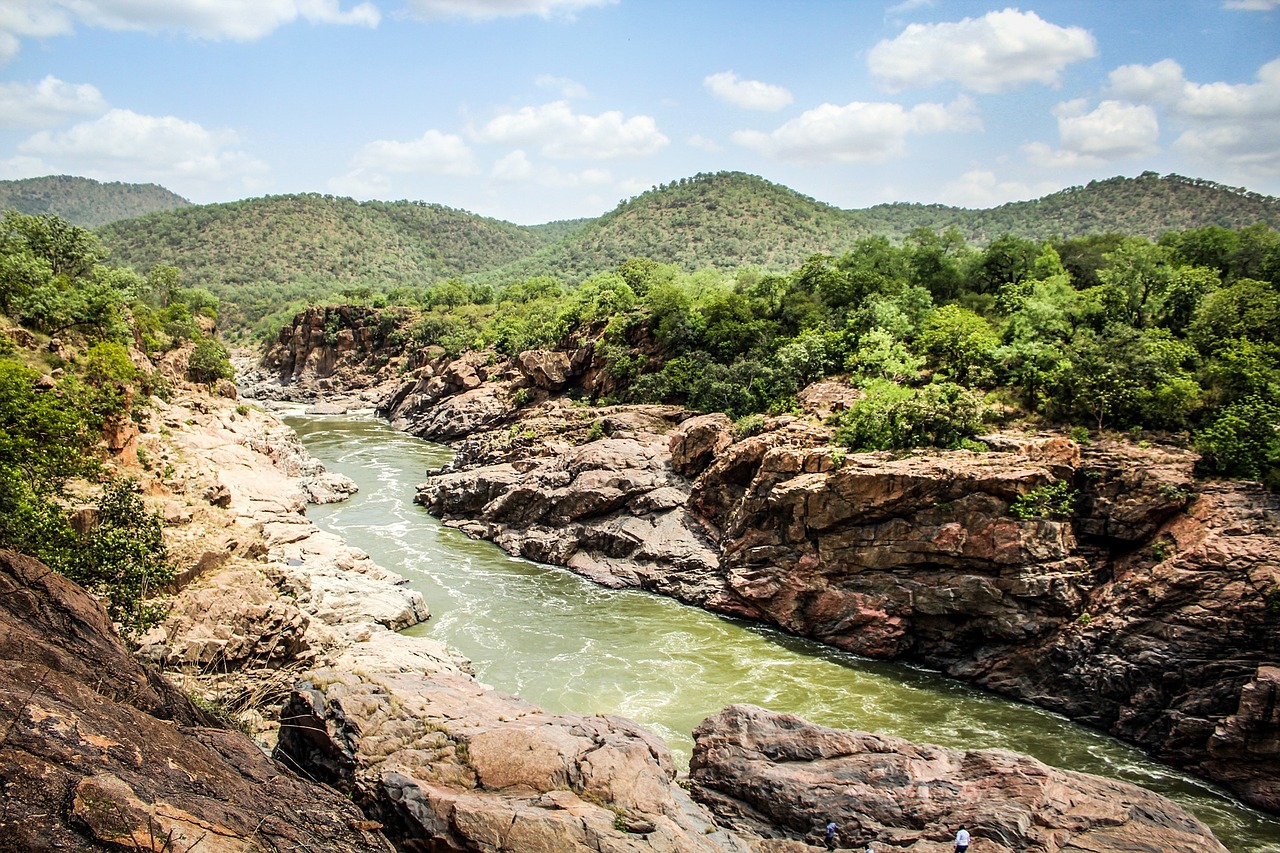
column 1098, row 579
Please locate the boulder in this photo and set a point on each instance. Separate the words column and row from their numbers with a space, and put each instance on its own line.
column 448, row 764
column 778, row 776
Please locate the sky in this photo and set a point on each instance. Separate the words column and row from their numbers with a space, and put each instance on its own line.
column 539, row 110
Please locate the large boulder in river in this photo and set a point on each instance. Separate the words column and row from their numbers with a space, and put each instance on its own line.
column 100, row 753
column 777, row 776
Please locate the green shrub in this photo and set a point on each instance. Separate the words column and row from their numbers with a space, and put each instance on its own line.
column 1052, row 500
column 209, row 362
column 892, row 417
column 747, row 426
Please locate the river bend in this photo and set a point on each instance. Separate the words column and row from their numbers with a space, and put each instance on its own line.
column 566, row 644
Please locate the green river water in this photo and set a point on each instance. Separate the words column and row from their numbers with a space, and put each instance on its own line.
column 566, row 644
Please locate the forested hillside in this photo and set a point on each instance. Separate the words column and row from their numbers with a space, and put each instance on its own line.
column 84, row 201
column 265, row 257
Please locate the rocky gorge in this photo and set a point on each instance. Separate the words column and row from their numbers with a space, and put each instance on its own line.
column 378, row 739
column 1145, row 606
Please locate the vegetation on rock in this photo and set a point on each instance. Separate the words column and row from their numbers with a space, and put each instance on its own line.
column 76, row 369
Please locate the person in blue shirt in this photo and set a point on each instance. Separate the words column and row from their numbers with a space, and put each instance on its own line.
column 830, row 836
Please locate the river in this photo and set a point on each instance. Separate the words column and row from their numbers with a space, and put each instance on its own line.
column 566, row 644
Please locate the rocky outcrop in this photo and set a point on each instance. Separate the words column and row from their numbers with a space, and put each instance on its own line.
column 100, row 753
column 609, row 507
column 450, row 765
column 1176, row 650
column 283, row 621
column 348, row 354
column 265, row 594
column 1101, row 580
column 776, row 776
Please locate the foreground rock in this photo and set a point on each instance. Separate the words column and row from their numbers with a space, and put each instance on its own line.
column 100, row 753
column 779, row 777
column 448, row 764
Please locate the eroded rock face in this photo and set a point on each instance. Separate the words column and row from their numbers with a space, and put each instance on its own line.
column 1179, row 647
column 100, row 753
column 777, row 776
column 450, row 765
column 610, row 508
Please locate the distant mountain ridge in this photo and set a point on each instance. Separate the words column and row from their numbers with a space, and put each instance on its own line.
column 84, row 201
column 316, row 245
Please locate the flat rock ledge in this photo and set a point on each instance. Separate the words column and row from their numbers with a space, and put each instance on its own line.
column 777, row 776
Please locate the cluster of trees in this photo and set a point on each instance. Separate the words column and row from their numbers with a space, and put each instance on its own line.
column 1179, row 335
column 55, row 401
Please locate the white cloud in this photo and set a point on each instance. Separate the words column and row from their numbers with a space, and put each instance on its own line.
column 981, row 188
column 123, row 145
column 566, row 87
column 241, row 20
column 1232, row 124
column 858, row 132
column 999, row 51
column 485, row 10
column 908, row 6
column 361, row 184
column 1112, row 131
column 747, row 94
column 48, row 103
column 1251, row 5
column 433, row 153
column 704, row 143
column 562, row 134
column 21, row 19
column 516, row 168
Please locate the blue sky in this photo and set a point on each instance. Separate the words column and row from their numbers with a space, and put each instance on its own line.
column 534, row 110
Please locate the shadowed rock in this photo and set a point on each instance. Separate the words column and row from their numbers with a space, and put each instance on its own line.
column 99, row 753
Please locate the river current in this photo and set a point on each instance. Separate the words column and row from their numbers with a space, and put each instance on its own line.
column 568, row 645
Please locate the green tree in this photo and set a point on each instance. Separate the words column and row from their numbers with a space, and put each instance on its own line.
column 960, row 342
column 209, row 362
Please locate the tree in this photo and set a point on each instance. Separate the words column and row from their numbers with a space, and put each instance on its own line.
column 209, row 362
column 1246, row 309
column 1134, row 281
column 958, row 341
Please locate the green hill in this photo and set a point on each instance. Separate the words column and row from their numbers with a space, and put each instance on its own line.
column 84, row 201
column 319, row 239
column 723, row 220
column 729, row 219
column 264, row 256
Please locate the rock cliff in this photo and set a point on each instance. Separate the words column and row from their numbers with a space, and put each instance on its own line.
column 1102, row 580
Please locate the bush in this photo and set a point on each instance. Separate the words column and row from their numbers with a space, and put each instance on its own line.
column 1052, row 500
column 209, row 362
column 891, row 417
column 747, row 426
column 1243, row 440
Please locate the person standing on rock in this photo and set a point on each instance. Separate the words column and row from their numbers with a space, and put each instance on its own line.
column 962, row 840
column 830, row 836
